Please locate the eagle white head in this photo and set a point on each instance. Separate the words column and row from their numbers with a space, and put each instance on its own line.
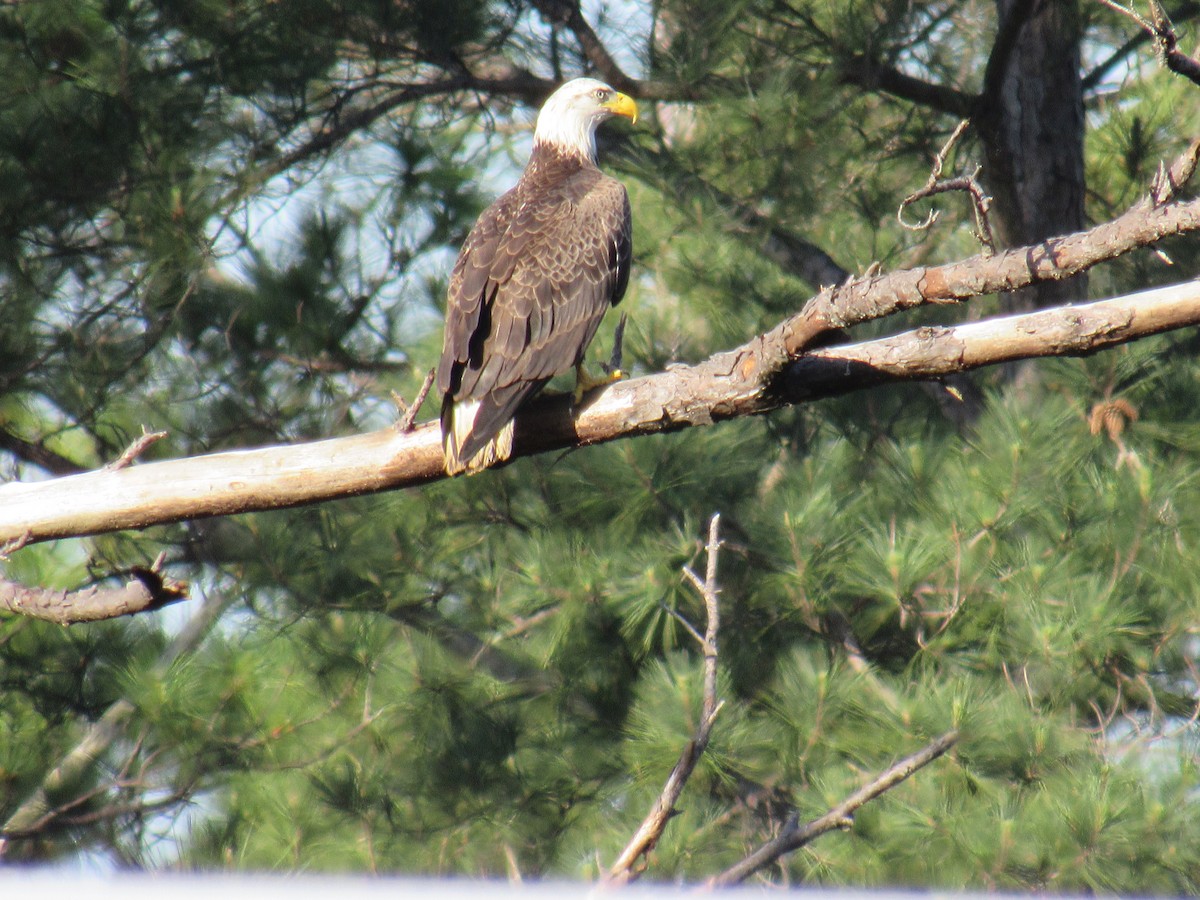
column 569, row 117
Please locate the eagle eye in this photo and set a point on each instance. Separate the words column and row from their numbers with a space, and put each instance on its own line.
column 601, row 94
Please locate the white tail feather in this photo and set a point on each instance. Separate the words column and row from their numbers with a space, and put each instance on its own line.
column 462, row 419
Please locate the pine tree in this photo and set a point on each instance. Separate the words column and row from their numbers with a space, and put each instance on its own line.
column 234, row 222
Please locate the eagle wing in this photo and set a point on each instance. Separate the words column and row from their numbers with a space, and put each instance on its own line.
column 531, row 284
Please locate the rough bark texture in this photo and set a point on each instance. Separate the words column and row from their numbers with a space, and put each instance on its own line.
column 748, row 380
column 146, row 590
column 755, row 378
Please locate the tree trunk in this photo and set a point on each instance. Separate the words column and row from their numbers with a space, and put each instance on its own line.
column 1030, row 118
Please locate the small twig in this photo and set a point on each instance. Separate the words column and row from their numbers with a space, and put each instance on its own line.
column 652, row 827
column 408, row 422
column 1146, row 26
column 1168, row 181
column 136, row 449
column 935, row 174
column 10, row 547
column 709, row 593
column 1166, row 42
column 981, row 203
column 795, row 836
column 678, row 617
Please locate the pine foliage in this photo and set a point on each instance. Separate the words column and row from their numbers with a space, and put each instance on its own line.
column 492, row 675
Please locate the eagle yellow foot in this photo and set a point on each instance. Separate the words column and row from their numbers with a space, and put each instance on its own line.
column 585, row 382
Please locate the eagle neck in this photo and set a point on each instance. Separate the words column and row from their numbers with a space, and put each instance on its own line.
column 549, row 160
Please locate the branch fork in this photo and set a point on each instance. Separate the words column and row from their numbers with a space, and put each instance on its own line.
column 981, row 203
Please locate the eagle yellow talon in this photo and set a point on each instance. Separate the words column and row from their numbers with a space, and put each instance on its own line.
column 585, row 382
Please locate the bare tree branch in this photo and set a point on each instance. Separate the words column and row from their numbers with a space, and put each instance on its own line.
column 873, row 75
column 935, row 352
column 647, row 836
column 935, row 184
column 1169, row 180
column 1052, row 260
column 1181, row 13
column 568, row 14
column 740, row 382
column 409, row 420
column 1166, row 42
column 146, row 591
column 841, row 816
column 758, row 377
column 137, row 448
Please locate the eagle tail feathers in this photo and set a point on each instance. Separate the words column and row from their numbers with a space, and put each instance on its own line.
column 465, row 449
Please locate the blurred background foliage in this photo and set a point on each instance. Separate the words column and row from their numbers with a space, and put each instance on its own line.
column 234, row 221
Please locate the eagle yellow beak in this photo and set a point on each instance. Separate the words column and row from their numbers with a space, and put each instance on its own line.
column 622, row 105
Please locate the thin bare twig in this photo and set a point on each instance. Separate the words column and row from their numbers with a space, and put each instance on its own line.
column 1166, row 42
column 1169, row 179
column 136, row 449
column 678, row 617
column 980, row 202
column 647, row 836
column 795, row 835
column 409, row 420
column 12, row 546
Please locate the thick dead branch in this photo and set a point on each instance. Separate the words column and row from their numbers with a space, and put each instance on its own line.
column 146, row 591
column 795, row 836
column 931, row 353
column 755, row 378
column 647, row 836
column 740, row 382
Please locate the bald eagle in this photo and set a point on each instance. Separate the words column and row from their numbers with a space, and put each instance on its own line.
column 534, row 278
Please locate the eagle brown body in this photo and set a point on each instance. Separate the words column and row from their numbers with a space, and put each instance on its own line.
column 533, row 280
